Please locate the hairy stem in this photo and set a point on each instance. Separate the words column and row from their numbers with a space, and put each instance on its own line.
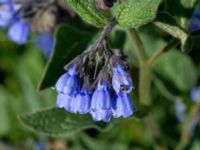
column 145, row 70
column 138, row 45
column 104, row 34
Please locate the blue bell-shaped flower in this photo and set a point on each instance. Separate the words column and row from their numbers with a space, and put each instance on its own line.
column 19, row 32
column 63, row 101
column 121, row 79
column 101, row 103
column 81, row 102
column 67, row 83
column 122, row 106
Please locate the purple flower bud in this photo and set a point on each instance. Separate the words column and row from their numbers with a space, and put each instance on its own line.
column 63, row 101
column 122, row 106
column 81, row 102
column 195, row 94
column 101, row 103
column 19, row 32
column 121, row 80
column 67, row 83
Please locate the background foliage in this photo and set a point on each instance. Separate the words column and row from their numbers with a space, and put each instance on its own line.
column 23, row 69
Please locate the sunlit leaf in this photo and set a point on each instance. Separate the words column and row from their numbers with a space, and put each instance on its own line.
column 134, row 13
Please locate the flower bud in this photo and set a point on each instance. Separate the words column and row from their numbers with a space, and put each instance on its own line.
column 67, row 83
column 101, row 103
column 122, row 106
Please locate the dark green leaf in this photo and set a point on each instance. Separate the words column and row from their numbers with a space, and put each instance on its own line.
column 134, row 13
column 70, row 42
column 58, row 122
column 166, row 22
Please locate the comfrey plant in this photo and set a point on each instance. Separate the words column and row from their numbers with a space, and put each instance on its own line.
column 97, row 82
column 95, row 85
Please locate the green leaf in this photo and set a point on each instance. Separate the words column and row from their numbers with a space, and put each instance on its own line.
column 88, row 11
column 166, row 22
column 178, row 68
column 70, row 42
column 58, row 122
column 135, row 13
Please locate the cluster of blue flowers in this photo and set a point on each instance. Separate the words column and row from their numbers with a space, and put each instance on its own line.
column 102, row 103
column 17, row 18
column 19, row 27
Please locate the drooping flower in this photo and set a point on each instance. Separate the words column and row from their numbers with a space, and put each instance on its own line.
column 67, row 83
column 101, row 103
column 122, row 106
column 19, row 32
column 63, row 101
column 121, row 80
column 81, row 102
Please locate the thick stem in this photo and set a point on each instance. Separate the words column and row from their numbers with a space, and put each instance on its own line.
column 145, row 70
column 145, row 85
column 138, row 45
